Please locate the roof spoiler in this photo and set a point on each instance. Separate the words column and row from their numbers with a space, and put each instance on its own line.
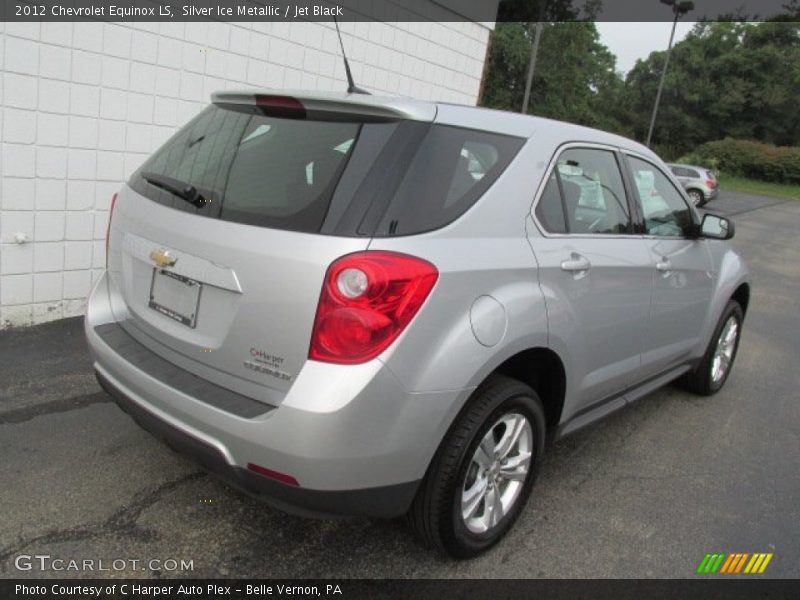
column 321, row 106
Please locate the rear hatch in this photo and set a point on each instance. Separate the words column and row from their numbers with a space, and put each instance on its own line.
column 215, row 248
column 220, row 242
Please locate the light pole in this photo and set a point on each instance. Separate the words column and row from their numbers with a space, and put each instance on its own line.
column 534, row 52
column 679, row 9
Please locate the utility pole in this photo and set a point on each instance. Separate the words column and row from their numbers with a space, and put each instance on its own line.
column 679, row 9
column 534, row 53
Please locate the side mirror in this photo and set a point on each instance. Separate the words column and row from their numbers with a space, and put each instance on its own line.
column 716, row 227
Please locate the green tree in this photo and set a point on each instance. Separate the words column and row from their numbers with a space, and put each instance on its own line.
column 725, row 79
column 575, row 73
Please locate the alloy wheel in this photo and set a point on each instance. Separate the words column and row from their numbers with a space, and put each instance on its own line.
column 723, row 354
column 497, row 472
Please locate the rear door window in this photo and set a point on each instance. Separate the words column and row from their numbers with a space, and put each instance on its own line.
column 593, row 192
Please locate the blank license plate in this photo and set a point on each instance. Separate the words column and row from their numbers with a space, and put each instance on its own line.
column 175, row 296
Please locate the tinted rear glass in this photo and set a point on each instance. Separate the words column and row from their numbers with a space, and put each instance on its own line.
column 451, row 170
column 334, row 177
column 254, row 169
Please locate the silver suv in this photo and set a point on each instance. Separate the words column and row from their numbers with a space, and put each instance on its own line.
column 700, row 183
column 382, row 307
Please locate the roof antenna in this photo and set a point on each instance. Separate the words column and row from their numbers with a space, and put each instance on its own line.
column 352, row 88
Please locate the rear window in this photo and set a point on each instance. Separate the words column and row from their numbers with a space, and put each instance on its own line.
column 336, row 177
column 252, row 168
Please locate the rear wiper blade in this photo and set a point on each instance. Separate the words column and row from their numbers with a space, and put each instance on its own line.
column 181, row 189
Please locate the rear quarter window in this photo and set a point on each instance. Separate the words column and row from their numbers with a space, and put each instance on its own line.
column 451, row 170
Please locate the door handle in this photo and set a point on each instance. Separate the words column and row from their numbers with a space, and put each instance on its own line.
column 664, row 266
column 576, row 263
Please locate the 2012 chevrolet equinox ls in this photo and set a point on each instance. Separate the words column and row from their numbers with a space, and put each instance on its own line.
column 365, row 306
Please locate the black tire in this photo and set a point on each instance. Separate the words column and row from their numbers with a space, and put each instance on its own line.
column 698, row 198
column 700, row 380
column 435, row 514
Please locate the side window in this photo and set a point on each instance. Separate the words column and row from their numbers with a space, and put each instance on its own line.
column 692, row 173
column 679, row 172
column 665, row 211
column 594, row 195
column 550, row 209
column 585, row 195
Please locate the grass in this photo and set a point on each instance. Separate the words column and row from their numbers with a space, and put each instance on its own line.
column 735, row 183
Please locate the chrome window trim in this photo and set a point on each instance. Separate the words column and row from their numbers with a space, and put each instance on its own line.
column 543, row 183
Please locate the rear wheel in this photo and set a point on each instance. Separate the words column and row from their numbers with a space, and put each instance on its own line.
column 698, row 199
column 712, row 372
column 483, row 472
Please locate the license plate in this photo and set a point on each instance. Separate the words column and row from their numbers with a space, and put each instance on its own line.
column 175, row 296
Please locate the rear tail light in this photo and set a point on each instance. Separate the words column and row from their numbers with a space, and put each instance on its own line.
column 711, row 183
column 367, row 300
column 108, row 227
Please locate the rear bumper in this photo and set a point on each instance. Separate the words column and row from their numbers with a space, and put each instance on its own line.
column 386, row 501
column 353, row 438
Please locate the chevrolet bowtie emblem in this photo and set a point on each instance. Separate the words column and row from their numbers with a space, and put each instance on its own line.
column 162, row 258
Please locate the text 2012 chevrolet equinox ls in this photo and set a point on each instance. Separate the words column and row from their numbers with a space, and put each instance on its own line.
column 374, row 306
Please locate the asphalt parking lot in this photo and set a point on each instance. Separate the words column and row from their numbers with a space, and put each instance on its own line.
column 645, row 493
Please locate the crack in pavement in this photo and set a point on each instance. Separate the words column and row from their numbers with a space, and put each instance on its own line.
column 123, row 521
column 20, row 415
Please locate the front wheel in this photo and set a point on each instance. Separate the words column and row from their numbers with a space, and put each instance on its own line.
column 710, row 375
column 484, row 470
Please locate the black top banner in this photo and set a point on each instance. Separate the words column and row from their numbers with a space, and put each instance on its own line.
column 397, row 10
